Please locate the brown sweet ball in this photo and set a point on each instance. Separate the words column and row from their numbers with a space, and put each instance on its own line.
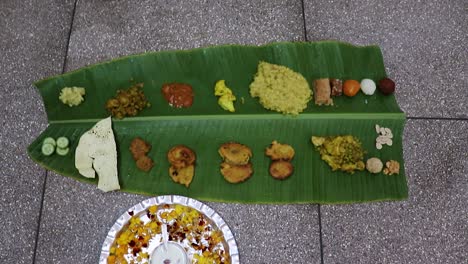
column 386, row 86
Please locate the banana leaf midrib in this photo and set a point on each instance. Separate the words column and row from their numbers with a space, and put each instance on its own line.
column 304, row 116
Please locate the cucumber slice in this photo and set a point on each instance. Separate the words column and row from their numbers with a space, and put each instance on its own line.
column 49, row 140
column 62, row 151
column 62, row 142
column 47, row 149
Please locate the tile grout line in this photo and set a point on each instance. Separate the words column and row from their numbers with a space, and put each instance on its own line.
column 65, row 60
column 304, row 21
column 44, row 184
column 318, row 205
column 36, row 243
column 438, row 118
column 320, row 233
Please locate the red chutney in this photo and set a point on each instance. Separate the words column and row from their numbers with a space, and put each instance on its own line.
column 178, row 94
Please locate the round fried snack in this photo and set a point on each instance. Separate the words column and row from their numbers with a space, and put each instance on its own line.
column 235, row 153
column 278, row 151
column 182, row 175
column 144, row 163
column 281, row 169
column 236, row 173
column 139, row 148
column 181, row 156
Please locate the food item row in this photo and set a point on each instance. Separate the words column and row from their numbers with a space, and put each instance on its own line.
column 345, row 153
column 277, row 87
column 96, row 153
column 325, row 89
column 235, row 168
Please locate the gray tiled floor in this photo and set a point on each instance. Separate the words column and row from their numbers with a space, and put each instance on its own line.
column 177, row 25
column 30, row 47
column 424, row 49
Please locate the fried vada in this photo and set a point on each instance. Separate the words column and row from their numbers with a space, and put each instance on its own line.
column 281, row 169
column 235, row 153
column 181, row 156
column 139, row 148
column 278, row 151
column 236, row 173
column 182, row 175
column 144, row 163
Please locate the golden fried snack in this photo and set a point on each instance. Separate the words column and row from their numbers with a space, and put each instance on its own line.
column 144, row 163
column 236, row 173
column 139, row 148
column 235, row 153
column 278, row 151
column 181, row 156
column 391, row 167
column 182, row 175
column 281, row 169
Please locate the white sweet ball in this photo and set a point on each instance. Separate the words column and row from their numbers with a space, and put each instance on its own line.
column 368, row 86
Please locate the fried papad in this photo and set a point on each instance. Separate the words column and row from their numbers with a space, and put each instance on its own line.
column 182, row 175
column 278, row 151
column 181, row 156
column 235, row 153
column 139, row 148
column 236, row 173
column 281, row 169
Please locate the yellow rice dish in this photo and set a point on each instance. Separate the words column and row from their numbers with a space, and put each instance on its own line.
column 280, row 88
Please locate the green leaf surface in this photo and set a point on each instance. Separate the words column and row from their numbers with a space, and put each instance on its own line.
column 205, row 126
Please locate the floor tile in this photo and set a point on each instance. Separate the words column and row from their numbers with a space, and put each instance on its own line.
column 32, row 47
column 431, row 226
column 76, row 218
column 274, row 233
column 423, row 44
column 108, row 29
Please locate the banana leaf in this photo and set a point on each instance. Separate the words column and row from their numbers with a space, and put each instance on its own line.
column 205, row 126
